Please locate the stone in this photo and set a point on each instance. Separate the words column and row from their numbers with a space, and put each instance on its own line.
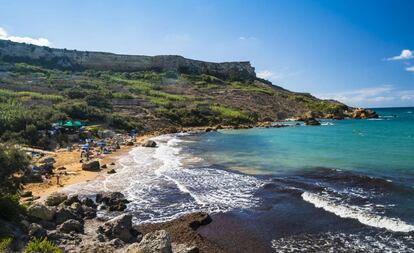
column 65, row 214
column 200, row 219
column 72, row 199
column 104, row 166
column 155, row 242
column 91, row 166
column 183, row 248
column 35, row 230
column 71, row 226
column 55, row 198
column 25, row 194
column 47, row 160
column 88, row 202
column 311, row 122
column 149, row 144
column 61, row 168
column 111, row 171
column 41, row 211
column 114, row 201
column 119, row 227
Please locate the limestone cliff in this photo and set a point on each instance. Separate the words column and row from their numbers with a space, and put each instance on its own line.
column 82, row 60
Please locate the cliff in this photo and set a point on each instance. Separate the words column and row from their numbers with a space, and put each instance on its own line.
column 84, row 60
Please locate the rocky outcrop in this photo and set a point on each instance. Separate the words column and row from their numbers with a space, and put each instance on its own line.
column 119, row 228
column 155, row 242
column 149, row 144
column 113, row 201
column 55, row 198
column 361, row 113
column 311, row 122
column 42, row 212
column 71, row 226
column 83, row 60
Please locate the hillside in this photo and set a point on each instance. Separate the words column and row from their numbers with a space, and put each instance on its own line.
column 41, row 85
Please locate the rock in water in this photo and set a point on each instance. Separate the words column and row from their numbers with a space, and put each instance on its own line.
column 149, row 144
column 311, row 122
column 91, row 166
column 41, row 211
column 56, row 198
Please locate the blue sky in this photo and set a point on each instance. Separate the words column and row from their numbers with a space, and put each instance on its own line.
column 345, row 49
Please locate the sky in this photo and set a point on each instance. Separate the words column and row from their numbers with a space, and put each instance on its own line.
column 358, row 52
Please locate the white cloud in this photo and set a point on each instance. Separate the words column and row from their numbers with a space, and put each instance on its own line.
column 265, row 74
column 374, row 96
column 39, row 42
column 247, row 38
column 405, row 55
column 411, row 69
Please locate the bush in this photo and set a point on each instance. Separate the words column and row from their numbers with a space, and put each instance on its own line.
column 41, row 246
column 10, row 207
column 5, row 243
column 12, row 160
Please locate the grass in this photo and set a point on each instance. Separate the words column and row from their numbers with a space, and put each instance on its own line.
column 41, row 246
column 31, row 95
column 227, row 112
column 249, row 87
column 318, row 105
column 5, row 243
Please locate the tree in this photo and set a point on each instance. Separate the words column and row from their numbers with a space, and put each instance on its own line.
column 12, row 160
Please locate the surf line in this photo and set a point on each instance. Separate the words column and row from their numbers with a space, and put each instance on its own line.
column 392, row 224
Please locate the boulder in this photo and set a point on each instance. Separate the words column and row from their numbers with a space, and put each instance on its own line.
column 25, row 194
column 55, row 198
column 111, row 171
column 47, row 160
column 183, row 248
column 311, row 122
column 89, row 203
column 40, row 211
column 71, row 226
column 72, row 199
column 155, row 242
column 35, row 230
column 199, row 219
column 64, row 214
column 149, row 144
column 91, row 166
column 114, row 201
column 119, row 227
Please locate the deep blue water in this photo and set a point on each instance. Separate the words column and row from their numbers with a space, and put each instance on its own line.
column 346, row 184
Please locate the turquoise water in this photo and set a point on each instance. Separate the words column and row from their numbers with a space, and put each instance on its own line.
column 383, row 146
column 344, row 185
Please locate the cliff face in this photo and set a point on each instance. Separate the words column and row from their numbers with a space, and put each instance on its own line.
column 83, row 60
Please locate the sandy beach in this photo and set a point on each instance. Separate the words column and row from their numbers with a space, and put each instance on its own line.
column 74, row 173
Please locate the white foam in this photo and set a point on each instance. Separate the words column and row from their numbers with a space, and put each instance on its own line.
column 354, row 212
column 161, row 188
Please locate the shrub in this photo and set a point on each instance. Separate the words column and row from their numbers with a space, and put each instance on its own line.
column 5, row 243
column 12, row 160
column 41, row 246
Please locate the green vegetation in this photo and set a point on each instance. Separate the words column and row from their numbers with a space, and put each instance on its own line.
column 12, row 161
column 5, row 243
column 318, row 105
column 33, row 97
column 41, row 246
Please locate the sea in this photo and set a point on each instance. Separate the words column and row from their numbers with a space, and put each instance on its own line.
column 343, row 186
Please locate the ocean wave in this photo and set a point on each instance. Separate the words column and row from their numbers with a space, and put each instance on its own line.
column 342, row 242
column 355, row 212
